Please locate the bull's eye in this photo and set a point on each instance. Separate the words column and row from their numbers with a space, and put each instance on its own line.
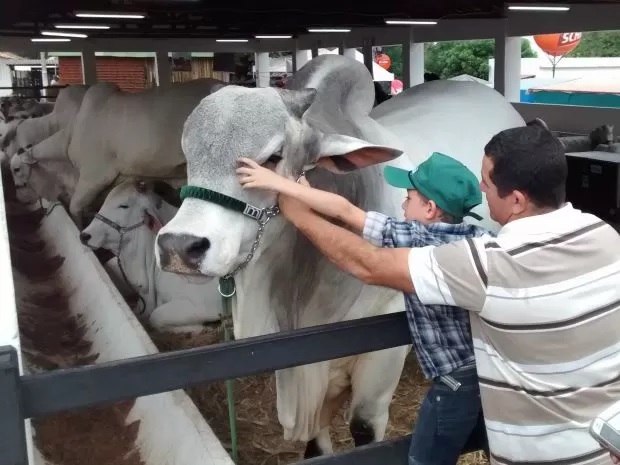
column 275, row 159
column 123, row 206
column 16, row 170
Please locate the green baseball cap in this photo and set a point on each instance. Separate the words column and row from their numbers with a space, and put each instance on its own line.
column 442, row 179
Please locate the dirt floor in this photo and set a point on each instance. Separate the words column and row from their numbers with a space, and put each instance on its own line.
column 53, row 337
column 259, row 433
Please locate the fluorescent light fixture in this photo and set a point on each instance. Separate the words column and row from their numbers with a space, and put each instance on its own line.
column 328, row 29
column 411, row 22
column 87, row 14
column 538, row 8
column 231, row 40
column 274, row 37
column 63, row 34
column 81, row 26
column 47, row 39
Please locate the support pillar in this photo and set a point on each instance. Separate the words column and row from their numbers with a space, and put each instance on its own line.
column 413, row 61
column 350, row 52
column 89, row 67
column 262, row 69
column 44, row 80
column 507, row 66
column 164, row 69
column 368, row 53
column 300, row 58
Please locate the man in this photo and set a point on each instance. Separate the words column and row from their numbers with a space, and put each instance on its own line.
column 544, row 299
column 439, row 194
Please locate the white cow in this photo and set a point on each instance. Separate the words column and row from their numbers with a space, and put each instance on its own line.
column 20, row 133
column 288, row 283
column 44, row 170
column 171, row 301
column 131, row 134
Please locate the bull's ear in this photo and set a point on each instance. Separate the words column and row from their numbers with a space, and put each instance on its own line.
column 140, row 186
column 26, row 156
column 297, row 101
column 342, row 154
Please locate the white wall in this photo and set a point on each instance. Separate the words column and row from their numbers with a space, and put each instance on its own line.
column 568, row 118
column 600, row 69
column 5, row 79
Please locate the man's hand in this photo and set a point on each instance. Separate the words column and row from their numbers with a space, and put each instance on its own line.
column 614, row 458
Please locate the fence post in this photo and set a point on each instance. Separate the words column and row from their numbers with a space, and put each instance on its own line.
column 13, row 449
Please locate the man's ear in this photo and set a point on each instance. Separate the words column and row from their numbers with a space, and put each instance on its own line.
column 342, row 154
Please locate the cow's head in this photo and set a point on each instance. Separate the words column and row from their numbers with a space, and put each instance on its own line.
column 22, row 164
column 129, row 206
column 275, row 128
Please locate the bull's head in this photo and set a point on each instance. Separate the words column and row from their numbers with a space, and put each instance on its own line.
column 128, row 206
column 274, row 128
column 22, row 164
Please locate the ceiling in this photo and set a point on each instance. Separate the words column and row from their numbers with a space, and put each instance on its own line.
column 236, row 19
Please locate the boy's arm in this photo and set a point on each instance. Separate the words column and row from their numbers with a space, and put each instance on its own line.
column 332, row 205
column 326, row 203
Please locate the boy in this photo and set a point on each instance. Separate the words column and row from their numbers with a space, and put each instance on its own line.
column 439, row 194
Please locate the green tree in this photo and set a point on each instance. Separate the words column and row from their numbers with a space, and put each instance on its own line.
column 451, row 58
column 598, row 44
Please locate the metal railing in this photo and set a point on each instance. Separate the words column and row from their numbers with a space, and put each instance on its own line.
column 31, row 396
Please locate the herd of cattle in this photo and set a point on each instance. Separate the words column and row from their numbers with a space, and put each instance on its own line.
column 125, row 155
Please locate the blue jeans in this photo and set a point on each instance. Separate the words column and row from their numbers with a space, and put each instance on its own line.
column 450, row 423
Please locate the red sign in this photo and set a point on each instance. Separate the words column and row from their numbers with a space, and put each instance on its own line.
column 383, row 60
column 558, row 44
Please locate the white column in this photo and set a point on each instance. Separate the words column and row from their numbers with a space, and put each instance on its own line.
column 262, row 69
column 413, row 61
column 301, row 58
column 368, row 55
column 507, row 66
column 164, row 69
column 350, row 52
column 44, row 80
column 89, row 67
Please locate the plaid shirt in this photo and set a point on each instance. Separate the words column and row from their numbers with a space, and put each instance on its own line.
column 441, row 334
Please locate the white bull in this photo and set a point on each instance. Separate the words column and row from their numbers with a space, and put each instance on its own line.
column 44, row 170
column 130, row 134
column 21, row 133
column 171, row 301
column 288, row 283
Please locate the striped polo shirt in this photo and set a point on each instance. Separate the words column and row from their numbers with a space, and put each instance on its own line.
column 544, row 301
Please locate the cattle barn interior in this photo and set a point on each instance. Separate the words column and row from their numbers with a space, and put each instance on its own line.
column 68, row 306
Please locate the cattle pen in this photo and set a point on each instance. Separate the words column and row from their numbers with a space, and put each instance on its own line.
column 80, row 384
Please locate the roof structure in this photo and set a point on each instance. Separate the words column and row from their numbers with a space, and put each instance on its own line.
column 209, row 19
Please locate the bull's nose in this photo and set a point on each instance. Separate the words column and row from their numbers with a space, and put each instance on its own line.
column 84, row 238
column 190, row 249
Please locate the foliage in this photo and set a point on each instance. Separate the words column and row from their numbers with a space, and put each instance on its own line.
column 598, row 44
column 451, row 58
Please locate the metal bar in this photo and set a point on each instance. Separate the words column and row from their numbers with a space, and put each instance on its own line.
column 13, row 449
column 392, row 452
column 73, row 388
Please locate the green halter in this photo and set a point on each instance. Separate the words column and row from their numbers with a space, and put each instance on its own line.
column 231, row 203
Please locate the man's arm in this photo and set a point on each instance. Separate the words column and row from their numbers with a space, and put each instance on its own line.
column 333, row 205
column 349, row 252
column 451, row 274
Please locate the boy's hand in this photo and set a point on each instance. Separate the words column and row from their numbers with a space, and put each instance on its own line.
column 252, row 175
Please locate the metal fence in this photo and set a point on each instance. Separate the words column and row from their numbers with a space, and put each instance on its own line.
column 31, row 396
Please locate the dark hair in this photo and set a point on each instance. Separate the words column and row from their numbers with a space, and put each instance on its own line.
column 532, row 160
